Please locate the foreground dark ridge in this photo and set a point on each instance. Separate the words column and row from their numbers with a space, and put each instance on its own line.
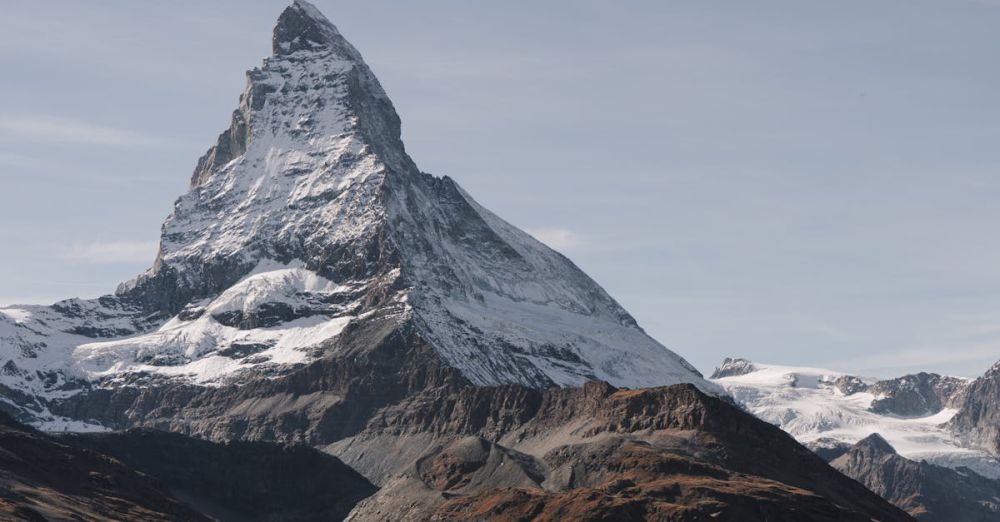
column 44, row 479
column 149, row 475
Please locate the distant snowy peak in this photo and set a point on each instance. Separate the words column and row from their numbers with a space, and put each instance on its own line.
column 829, row 410
column 731, row 367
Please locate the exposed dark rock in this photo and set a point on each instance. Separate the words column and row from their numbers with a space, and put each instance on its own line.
column 732, row 367
column 916, row 395
column 241, row 350
column 268, row 315
column 978, row 418
column 849, row 384
column 926, row 491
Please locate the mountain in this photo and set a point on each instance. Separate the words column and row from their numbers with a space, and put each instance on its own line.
column 311, row 275
column 592, row 453
column 313, row 286
column 829, row 411
column 917, row 395
column 148, row 475
column 978, row 419
column 926, row 491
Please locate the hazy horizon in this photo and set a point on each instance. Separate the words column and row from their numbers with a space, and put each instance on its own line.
column 791, row 182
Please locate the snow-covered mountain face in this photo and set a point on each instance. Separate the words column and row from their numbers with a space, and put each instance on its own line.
column 829, row 411
column 308, row 217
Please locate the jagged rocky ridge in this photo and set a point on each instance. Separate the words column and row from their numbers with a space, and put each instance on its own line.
column 306, row 228
column 592, row 453
column 927, row 492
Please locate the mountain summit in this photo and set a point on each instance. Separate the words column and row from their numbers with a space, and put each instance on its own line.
column 312, row 256
column 302, row 27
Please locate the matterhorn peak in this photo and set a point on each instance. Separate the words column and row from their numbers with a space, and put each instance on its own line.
column 309, row 237
column 302, row 27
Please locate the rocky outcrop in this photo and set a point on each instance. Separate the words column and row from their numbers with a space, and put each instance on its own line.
column 731, row 367
column 978, row 418
column 917, row 395
column 926, row 491
column 850, row 384
column 914, row 395
column 592, row 453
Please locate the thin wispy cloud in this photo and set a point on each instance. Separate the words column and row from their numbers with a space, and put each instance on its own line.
column 113, row 252
column 65, row 130
column 557, row 238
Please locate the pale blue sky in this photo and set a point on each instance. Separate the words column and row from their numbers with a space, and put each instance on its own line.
column 800, row 182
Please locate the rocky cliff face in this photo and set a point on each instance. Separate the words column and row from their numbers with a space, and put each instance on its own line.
column 308, row 242
column 978, row 419
column 917, row 395
column 592, row 453
column 928, row 492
